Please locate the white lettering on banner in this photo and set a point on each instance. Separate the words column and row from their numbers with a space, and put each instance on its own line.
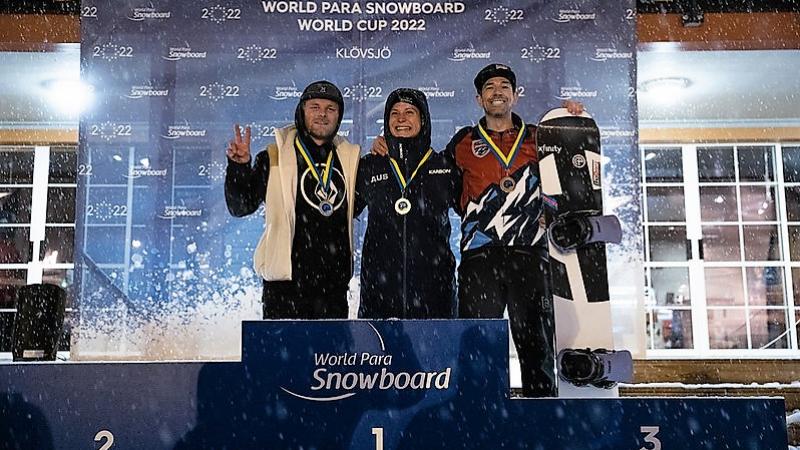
column 390, row 8
column 463, row 54
column 89, row 12
column 286, row 92
column 341, row 375
column 220, row 14
column 177, row 53
column 140, row 14
column 568, row 15
column 110, row 51
column 361, row 92
column 109, row 131
column 356, row 52
column 255, row 53
column 436, row 92
column 146, row 91
column 604, row 54
column 537, row 53
column 172, row 212
column 501, row 15
column 568, row 92
column 217, row 91
column 181, row 131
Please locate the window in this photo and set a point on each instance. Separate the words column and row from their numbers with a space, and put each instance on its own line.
column 722, row 249
column 37, row 226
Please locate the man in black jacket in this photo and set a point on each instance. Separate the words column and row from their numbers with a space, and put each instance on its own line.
column 307, row 180
column 407, row 268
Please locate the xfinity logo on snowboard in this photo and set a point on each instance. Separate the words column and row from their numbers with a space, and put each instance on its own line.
column 343, row 375
column 550, row 149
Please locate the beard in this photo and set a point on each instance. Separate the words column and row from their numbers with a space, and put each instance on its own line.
column 321, row 132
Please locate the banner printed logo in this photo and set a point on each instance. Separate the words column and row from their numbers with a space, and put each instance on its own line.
column 184, row 130
column 217, row 91
column 220, row 14
column 501, row 15
column 463, row 54
column 538, row 53
column 569, row 15
column 149, row 12
column 255, row 53
column 570, row 92
column 344, row 375
column 148, row 90
column 111, row 51
column 183, row 51
column 604, row 54
column 433, row 92
column 109, row 131
column 361, row 92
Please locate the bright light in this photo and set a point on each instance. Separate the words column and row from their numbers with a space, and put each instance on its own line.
column 649, row 156
column 665, row 90
column 117, row 158
column 719, row 199
column 69, row 96
column 145, row 162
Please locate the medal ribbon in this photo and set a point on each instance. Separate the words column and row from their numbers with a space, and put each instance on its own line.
column 324, row 178
column 401, row 180
column 505, row 160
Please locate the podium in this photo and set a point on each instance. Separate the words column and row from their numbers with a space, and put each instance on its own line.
column 367, row 385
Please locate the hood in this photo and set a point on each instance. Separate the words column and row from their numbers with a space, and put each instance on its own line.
column 413, row 148
column 318, row 89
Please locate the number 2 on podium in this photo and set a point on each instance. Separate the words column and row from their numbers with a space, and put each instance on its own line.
column 378, row 432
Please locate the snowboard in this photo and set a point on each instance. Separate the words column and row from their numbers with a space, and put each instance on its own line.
column 570, row 170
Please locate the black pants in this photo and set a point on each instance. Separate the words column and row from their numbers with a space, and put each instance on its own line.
column 489, row 279
column 304, row 300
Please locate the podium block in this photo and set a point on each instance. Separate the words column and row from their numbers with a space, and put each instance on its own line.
column 354, row 385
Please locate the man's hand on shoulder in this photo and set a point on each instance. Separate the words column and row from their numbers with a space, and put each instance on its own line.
column 238, row 149
column 379, row 146
column 574, row 107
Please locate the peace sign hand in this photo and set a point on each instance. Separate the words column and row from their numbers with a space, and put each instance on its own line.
column 239, row 148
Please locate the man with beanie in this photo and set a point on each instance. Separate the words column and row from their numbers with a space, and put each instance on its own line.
column 504, row 259
column 307, row 181
column 407, row 268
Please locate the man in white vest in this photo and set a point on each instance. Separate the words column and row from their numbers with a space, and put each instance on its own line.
column 307, row 181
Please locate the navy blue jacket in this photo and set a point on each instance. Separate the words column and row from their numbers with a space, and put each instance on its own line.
column 407, row 267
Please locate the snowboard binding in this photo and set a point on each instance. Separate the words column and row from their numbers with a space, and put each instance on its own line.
column 576, row 229
column 600, row 368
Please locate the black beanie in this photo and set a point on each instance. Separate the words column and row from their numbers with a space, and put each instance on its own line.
column 319, row 89
column 494, row 70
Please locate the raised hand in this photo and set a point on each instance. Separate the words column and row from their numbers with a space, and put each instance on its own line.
column 239, row 148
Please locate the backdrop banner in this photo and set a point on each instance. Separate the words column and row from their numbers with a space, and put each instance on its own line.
column 163, row 270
